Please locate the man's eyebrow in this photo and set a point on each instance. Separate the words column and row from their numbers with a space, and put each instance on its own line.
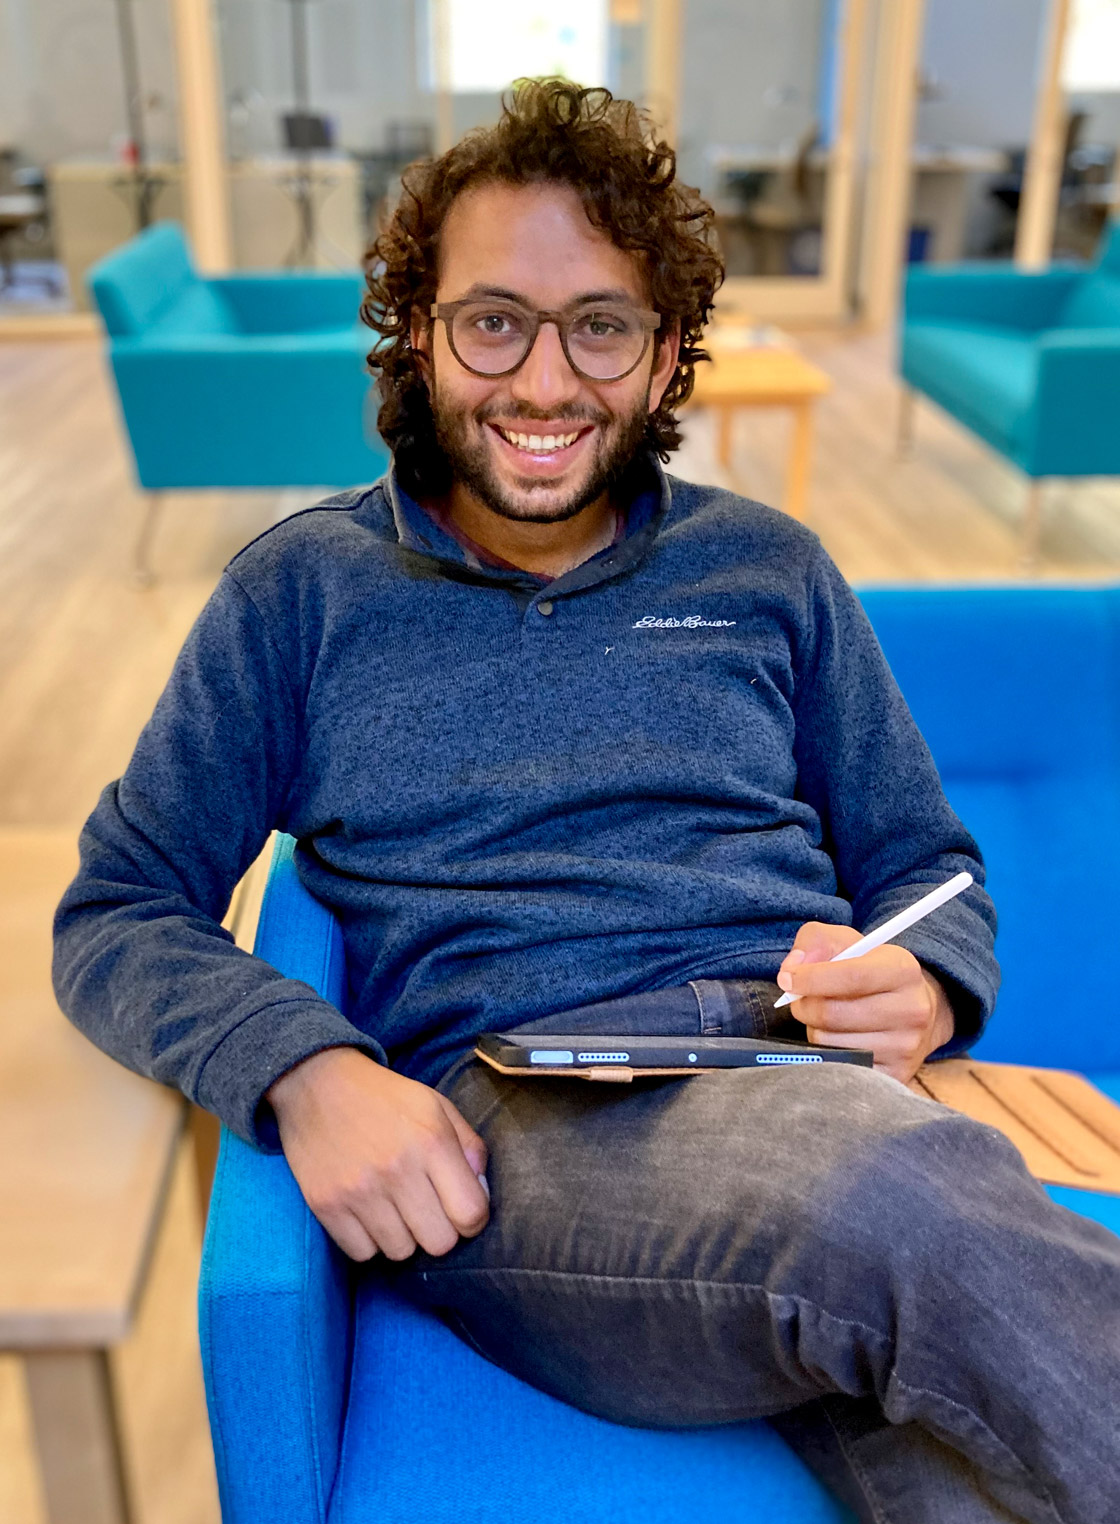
column 610, row 294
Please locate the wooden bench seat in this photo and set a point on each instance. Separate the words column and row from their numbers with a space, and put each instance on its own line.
column 87, row 1154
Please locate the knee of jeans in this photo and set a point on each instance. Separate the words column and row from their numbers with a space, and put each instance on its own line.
column 782, row 1142
column 850, row 1102
column 918, row 1190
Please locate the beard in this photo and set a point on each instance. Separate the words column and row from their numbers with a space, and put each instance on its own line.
column 461, row 435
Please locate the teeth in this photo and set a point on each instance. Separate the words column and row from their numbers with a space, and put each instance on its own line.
column 540, row 443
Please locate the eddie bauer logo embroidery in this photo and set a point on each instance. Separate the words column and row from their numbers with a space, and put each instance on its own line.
column 689, row 622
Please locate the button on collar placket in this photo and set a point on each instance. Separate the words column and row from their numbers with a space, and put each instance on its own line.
column 545, row 607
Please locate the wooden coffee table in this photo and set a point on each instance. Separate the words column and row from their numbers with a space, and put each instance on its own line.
column 764, row 375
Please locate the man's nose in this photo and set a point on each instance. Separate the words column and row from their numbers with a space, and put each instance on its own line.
column 546, row 379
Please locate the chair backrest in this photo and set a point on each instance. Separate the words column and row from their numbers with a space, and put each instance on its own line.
column 151, row 282
column 1017, row 692
column 1094, row 301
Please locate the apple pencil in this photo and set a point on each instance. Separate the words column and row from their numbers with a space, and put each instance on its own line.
column 900, row 922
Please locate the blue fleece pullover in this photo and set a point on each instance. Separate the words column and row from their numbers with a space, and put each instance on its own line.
column 517, row 799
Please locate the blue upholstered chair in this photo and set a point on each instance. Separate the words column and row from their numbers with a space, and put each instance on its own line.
column 1028, row 361
column 331, row 1400
column 249, row 380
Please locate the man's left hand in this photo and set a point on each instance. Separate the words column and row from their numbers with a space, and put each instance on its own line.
column 885, row 1000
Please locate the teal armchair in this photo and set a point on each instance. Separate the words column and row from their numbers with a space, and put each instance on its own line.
column 255, row 380
column 1029, row 362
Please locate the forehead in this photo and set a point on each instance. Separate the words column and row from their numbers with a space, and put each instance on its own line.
column 533, row 239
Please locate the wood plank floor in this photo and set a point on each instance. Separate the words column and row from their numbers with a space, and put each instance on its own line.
column 84, row 654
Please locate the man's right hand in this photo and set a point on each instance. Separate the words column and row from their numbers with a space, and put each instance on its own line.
column 386, row 1164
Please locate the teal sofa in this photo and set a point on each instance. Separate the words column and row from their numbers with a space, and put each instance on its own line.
column 332, row 1402
column 248, row 380
column 1029, row 362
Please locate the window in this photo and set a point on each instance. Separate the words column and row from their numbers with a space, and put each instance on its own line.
column 1092, row 52
column 493, row 42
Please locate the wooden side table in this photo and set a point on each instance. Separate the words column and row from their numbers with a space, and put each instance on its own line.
column 765, row 376
column 86, row 1156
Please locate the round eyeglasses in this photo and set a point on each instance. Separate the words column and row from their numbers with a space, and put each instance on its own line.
column 492, row 337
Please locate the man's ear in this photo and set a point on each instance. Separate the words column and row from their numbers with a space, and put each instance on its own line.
column 419, row 338
column 664, row 363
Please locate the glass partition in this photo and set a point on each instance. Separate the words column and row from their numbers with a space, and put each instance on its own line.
column 89, row 149
column 325, row 104
column 766, row 131
column 755, row 126
column 328, row 100
column 981, row 63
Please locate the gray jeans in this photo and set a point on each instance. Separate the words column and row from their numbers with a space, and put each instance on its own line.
column 878, row 1276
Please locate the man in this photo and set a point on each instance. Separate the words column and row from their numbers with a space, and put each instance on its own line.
column 568, row 743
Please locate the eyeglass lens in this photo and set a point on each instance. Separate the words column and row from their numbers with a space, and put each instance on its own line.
column 603, row 341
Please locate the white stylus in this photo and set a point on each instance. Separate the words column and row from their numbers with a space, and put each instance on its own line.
column 900, row 922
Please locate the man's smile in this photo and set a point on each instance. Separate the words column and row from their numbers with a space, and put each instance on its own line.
column 541, row 449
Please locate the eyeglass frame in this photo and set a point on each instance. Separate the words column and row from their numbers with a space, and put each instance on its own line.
column 446, row 313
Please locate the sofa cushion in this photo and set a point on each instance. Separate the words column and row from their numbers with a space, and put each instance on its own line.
column 983, row 375
column 1093, row 303
column 424, row 1441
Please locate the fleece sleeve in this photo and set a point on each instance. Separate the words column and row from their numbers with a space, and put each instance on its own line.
column 142, row 965
column 890, row 831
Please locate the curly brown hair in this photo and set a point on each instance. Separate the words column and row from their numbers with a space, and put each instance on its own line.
column 607, row 150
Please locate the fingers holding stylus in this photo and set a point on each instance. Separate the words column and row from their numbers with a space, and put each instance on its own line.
column 883, row 1000
column 816, row 938
column 814, row 974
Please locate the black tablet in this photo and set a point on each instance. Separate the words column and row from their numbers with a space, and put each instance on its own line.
column 588, row 1056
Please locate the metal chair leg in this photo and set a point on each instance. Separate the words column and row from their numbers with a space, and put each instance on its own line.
column 1032, row 526
column 904, row 440
column 142, row 573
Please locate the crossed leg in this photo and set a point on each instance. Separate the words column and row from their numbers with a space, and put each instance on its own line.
column 877, row 1274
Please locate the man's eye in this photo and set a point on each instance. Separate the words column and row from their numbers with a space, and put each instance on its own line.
column 601, row 325
column 493, row 322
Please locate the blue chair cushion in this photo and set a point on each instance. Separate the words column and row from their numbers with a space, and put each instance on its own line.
column 436, row 1433
column 983, row 375
column 1093, row 303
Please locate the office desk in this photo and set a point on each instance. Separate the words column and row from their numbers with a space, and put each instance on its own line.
column 939, row 195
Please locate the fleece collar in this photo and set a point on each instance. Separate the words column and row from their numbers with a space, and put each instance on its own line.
column 646, row 511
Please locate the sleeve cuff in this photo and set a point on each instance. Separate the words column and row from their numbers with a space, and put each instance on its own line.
column 970, row 1014
column 262, row 1047
column 970, row 987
